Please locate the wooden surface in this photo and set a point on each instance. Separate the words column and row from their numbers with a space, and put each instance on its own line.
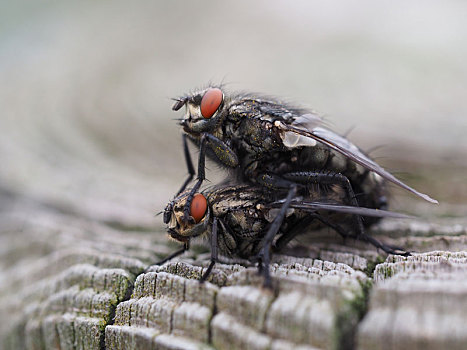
column 89, row 154
column 74, row 283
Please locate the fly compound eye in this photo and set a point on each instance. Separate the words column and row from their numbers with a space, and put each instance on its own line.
column 198, row 207
column 210, row 102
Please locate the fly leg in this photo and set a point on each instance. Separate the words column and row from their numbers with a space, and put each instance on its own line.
column 214, row 255
column 320, row 178
column 225, row 154
column 201, row 176
column 191, row 173
column 189, row 165
column 283, row 240
column 298, row 229
column 186, row 246
column 264, row 256
column 389, row 249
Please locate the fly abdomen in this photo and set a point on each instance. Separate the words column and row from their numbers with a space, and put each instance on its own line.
column 369, row 187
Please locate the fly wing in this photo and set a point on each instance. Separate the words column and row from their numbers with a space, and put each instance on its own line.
column 304, row 122
column 349, row 150
column 307, row 121
column 347, row 209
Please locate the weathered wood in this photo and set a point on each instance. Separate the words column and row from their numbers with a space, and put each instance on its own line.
column 419, row 301
column 239, row 313
column 81, row 285
column 82, row 297
column 89, row 154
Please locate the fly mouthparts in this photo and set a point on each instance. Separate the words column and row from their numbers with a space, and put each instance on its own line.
column 179, row 103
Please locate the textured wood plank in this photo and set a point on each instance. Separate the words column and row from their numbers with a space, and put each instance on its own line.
column 65, row 298
column 89, row 153
column 93, row 295
column 310, row 301
column 418, row 302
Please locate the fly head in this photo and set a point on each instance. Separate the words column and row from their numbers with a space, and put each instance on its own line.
column 204, row 110
column 179, row 229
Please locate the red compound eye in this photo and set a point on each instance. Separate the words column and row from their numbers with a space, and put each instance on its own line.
column 198, row 207
column 211, row 101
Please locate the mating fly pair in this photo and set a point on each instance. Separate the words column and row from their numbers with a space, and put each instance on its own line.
column 284, row 151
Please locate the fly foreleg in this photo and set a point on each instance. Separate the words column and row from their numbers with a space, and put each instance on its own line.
column 189, row 165
column 186, row 246
column 201, row 176
column 225, row 154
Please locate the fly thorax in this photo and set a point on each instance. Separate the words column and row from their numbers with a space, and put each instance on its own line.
column 227, row 204
column 256, row 136
column 246, row 224
column 217, row 132
column 313, row 157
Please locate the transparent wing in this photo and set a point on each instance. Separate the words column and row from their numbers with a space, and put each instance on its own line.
column 304, row 122
column 307, row 121
column 346, row 148
column 315, row 206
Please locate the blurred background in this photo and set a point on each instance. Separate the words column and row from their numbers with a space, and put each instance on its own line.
column 86, row 88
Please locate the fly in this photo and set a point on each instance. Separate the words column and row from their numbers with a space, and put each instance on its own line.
column 278, row 146
column 248, row 222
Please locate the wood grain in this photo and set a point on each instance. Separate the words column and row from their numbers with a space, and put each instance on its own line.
column 89, row 155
